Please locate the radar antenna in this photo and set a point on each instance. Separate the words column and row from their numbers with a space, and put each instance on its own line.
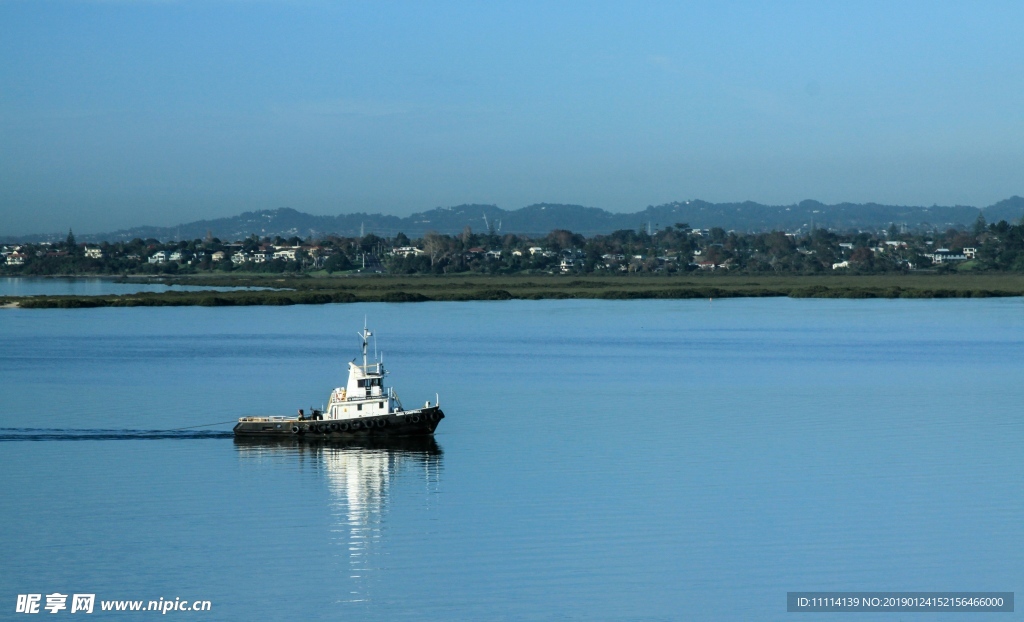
column 365, row 335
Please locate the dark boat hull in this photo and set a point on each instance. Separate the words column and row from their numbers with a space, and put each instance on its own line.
column 421, row 422
column 425, row 445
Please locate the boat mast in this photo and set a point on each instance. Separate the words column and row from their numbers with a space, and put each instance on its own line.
column 366, row 334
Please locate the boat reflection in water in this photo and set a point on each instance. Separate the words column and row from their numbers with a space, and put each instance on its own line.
column 359, row 475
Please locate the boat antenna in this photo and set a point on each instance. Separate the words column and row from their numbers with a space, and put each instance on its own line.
column 365, row 335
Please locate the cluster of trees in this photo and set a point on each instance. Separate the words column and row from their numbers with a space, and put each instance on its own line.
column 192, row 256
column 674, row 249
column 680, row 249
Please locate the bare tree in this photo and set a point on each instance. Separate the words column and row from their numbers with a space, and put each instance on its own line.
column 434, row 245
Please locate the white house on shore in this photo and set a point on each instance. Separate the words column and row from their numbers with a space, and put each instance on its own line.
column 942, row 255
column 407, row 251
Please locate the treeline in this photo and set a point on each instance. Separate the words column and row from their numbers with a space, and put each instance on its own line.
column 996, row 247
column 140, row 257
column 671, row 250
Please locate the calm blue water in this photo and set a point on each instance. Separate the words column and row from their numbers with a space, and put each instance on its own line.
column 649, row 460
column 91, row 286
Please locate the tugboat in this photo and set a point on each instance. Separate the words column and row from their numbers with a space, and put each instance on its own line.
column 363, row 408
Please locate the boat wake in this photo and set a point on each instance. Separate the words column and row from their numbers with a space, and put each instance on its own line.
column 55, row 434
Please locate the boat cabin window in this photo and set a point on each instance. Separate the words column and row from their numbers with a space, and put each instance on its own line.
column 369, row 382
column 360, row 407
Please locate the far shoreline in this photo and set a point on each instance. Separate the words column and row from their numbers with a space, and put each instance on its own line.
column 302, row 289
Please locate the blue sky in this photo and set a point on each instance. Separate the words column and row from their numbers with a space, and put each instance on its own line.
column 120, row 113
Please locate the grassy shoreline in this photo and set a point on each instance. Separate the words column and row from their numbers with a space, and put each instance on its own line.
column 346, row 289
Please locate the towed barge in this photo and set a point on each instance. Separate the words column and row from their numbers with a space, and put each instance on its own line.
column 363, row 408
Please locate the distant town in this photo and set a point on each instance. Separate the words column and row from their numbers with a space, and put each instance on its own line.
column 670, row 250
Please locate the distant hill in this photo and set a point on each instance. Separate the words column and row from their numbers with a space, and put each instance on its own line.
column 1011, row 210
column 543, row 217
